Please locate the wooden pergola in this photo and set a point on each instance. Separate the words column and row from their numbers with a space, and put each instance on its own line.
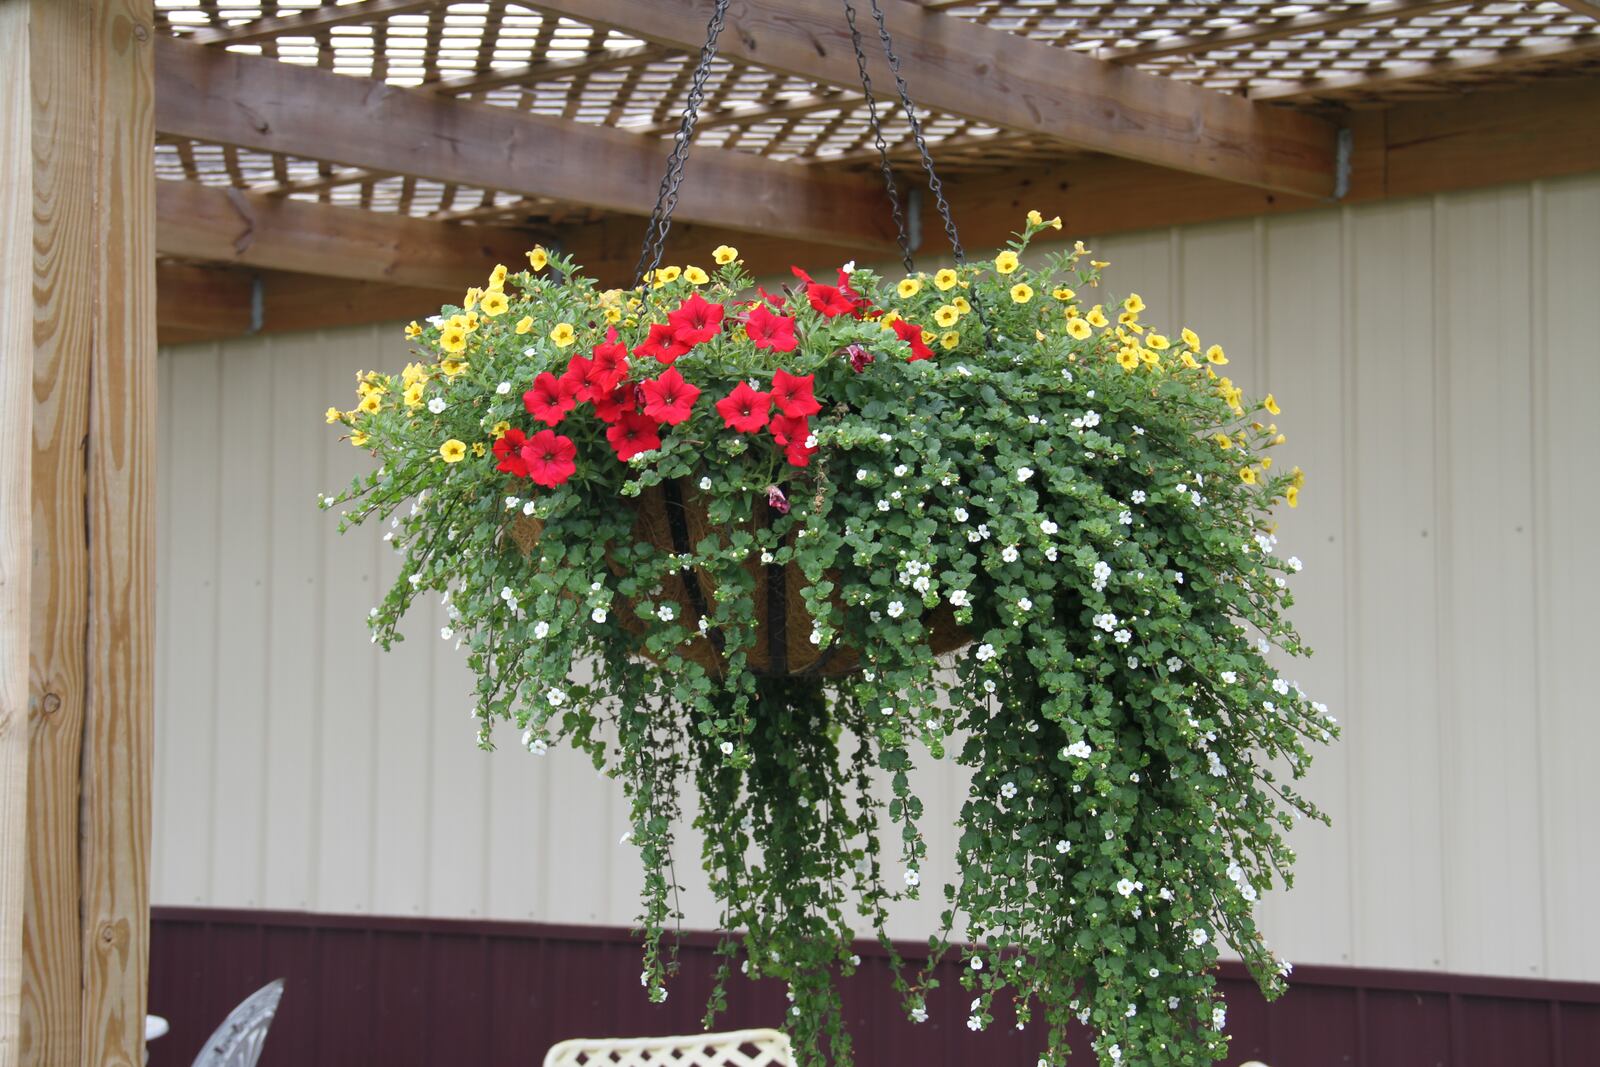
column 198, row 169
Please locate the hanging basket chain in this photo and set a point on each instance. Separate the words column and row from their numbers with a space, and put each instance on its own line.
column 877, row 136
column 655, row 235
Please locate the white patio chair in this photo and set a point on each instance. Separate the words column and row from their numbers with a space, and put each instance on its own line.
column 736, row 1048
column 237, row 1042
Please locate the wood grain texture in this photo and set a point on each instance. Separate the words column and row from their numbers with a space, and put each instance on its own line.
column 231, row 226
column 271, row 106
column 16, row 422
column 118, row 721
column 63, row 236
column 1006, row 80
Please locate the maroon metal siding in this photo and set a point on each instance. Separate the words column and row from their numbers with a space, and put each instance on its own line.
column 396, row 992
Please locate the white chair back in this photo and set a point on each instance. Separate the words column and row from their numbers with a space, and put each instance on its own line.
column 736, row 1048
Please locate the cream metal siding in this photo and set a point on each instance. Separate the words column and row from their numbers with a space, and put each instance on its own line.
column 1439, row 365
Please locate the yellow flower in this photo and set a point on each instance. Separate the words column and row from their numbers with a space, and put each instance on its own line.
column 1055, row 223
column 1247, row 475
column 945, row 280
column 538, row 259
column 1266, row 463
column 1100, row 264
column 1157, row 342
column 1062, row 293
column 1097, row 317
column 453, row 451
column 1190, row 338
column 470, row 301
column 412, row 329
column 1005, row 262
column 458, row 321
column 359, row 439
column 1299, row 477
column 961, row 305
column 1021, row 293
column 473, row 322
column 499, row 429
column 1078, row 250
column 1128, row 358
column 1035, row 219
column 452, row 367
column 1131, row 320
column 413, row 394
column 1214, row 355
column 1278, row 440
column 1271, row 405
column 946, row 315
column 524, row 324
column 497, row 277
column 332, row 415
column 695, row 276
column 1134, row 303
column 372, row 403
column 612, row 315
column 563, row 335
column 1078, row 329
column 665, row 275
column 414, row 372
column 908, row 288
column 1188, row 360
column 479, row 449
column 950, row 340
column 1292, row 495
column 725, row 254
column 495, row 303
column 1223, row 441
column 889, row 319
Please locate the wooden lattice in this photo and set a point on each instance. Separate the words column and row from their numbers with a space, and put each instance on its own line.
column 738, row 1048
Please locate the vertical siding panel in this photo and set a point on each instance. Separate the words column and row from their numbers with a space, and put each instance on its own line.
column 519, row 796
column 349, row 666
column 1567, row 440
column 245, row 453
column 1140, row 262
column 304, row 450
column 163, row 595
column 190, row 655
column 460, row 785
column 1492, row 906
column 1302, row 338
column 1392, row 719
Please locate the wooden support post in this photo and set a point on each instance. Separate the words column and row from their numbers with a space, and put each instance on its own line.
column 83, row 72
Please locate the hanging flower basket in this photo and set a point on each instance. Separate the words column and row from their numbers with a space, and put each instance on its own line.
column 768, row 520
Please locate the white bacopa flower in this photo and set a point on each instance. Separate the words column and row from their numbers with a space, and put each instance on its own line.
column 958, row 598
column 1199, row 936
column 1139, row 496
column 985, row 653
column 1133, row 1009
column 556, row 697
column 1196, row 498
column 1126, row 518
column 1063, row 846
column 1091, row 419
column 727, row 748
column 1125, row 887
column 959, row 514
column 862, row 474
column 901, row 470
column 666, row 613
column 919, row 1014
column 1294, row 563
column 896, row 495
column 1024, row 604
column 512, row 502
column 1048, row 528
column 811, row 440
column 539, row 746
column 977, row 963
column 1051, row 553
column 541, row 630
column 705, row 484
column 1024, row 473
column 1008, row 790
column 1077, row 750
column 983, row 530
column 883, row 505
column 503, row 388
column 528, row 508
column 884, row 437
column 1106, row 621
column 896, row 609
column 1172, row 1003
column 1009, row 553
column 598, row 615
column 1229, row 677
column 1214, row 766
column 912, row 877
column 1174, row 664
column 1122, row 636
column 437, row 405
column 1280, row 687
column 445, row 633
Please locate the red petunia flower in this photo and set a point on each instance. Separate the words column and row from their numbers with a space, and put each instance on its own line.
column 787, row 429
column 908, row 331
column 793, row 395
column 508, row 450
column 770, row 331
column 609, row 366
column 775, row 301
column 611, row 406
column 551, row 398
column 668, row 399
column 697, row 320
column 859, row 357
column 662, row 344
column 549, row 457
column 829, row 300
column 744, row 409
column 777, row 501
column 633, row 434
column 576, row 378
column 799, row 454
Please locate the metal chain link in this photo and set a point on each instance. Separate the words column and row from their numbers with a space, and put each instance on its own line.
column 916, row 133
column 655, row 234
column 877, row 136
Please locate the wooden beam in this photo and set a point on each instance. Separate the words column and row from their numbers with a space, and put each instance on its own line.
column 248, row 229
column 88, row 82
column 16, row 506
column 275, row 107
column 307, row 22
column 1002, row 79
column 1475, row 62
column 1276, row 29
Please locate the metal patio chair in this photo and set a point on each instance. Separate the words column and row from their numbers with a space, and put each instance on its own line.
column 736, row 1048
column 238, row 1041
